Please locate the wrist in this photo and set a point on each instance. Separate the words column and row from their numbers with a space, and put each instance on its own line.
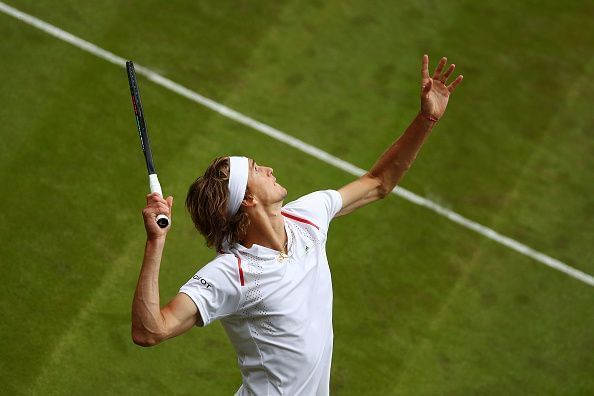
column 428, row 117
column 156, row 240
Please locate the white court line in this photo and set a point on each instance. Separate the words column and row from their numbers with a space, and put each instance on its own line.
column 296, row 143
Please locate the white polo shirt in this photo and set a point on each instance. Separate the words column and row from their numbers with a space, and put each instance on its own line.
column 277, row 311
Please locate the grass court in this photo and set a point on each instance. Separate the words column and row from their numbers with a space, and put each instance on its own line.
column 422, row 306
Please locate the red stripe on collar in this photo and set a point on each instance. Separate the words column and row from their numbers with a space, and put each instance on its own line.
column 299, row 219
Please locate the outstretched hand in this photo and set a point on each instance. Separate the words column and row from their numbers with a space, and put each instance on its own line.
column 434, row 91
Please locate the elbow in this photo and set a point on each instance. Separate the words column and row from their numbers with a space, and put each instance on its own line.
column 379, row 186
column 144, row 339
column 144, row 342
column 383, row 191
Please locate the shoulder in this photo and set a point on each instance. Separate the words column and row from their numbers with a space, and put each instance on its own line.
column 220, row 275
column 220, row 270
column 215, row 288
column 318, row 207
column 316, row 201
column 321, row 196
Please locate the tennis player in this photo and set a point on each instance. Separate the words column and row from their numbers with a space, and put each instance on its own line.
column 270, row 284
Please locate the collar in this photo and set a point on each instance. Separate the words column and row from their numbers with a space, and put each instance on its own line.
column 266, row 253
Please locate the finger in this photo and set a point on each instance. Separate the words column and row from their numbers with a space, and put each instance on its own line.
column 162, row 206
column 448, row 73
column 155, row 211
column 427, row 87
column 455, row 83
column 151, row 197
column 162, row 209
column 154, row 197
column 170, row 204
column 439, row 67
column 158, row 206
column 425, row 68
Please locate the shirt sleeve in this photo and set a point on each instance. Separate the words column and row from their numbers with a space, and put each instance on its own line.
column 319, row 207
column 215, row 290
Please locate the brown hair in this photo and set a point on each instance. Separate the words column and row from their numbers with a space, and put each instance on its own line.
column 207, row 204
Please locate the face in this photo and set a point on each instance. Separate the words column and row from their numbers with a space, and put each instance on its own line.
column 263, row 186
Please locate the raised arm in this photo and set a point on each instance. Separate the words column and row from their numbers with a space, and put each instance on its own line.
column 398, row 158
column 152, row 324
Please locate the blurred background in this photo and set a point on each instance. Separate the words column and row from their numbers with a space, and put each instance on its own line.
column 422, row 306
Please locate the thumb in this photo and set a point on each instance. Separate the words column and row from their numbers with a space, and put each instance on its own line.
column 427, row 87
column 169, row 201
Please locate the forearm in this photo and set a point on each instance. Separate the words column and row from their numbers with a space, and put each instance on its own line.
column 391, row 167
column 147, row 320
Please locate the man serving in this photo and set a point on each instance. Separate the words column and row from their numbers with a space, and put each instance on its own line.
column 270, row 283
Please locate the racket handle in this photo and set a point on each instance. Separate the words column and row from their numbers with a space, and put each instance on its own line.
column 162, row 221
column 155, row 186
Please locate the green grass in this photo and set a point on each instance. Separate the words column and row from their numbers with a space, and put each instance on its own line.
column 422, row 306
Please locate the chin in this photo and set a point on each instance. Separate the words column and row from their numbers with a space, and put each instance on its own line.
column 283, row 193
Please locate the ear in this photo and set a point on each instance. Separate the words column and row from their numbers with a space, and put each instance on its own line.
column 249, row 201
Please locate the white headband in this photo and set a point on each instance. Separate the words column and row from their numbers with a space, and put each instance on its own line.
column 238, row 178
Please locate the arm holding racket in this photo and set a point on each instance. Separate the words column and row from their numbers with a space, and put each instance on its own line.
column 152, row 324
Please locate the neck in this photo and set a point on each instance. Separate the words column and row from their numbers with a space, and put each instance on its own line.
column 267, row 228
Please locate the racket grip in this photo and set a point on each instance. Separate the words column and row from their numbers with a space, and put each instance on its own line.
column 162, row 221
column 155, row 186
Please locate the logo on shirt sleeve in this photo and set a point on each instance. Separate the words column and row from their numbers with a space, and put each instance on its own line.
column 202, row 281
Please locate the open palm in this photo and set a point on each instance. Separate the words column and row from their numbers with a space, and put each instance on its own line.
column 434, row 91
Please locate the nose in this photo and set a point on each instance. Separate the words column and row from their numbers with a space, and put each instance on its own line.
column 270, row 171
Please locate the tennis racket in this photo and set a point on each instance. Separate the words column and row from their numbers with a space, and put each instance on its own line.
column 162, row 220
